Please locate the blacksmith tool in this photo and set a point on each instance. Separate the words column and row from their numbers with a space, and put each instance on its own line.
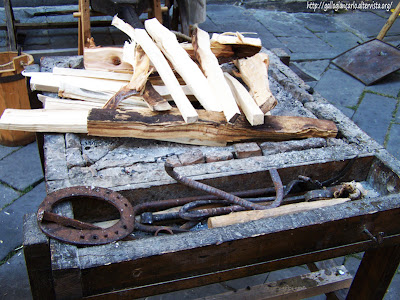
column 76, row 232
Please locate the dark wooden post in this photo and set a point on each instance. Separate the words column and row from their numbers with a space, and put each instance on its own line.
column 37, row 259
column 375, row 273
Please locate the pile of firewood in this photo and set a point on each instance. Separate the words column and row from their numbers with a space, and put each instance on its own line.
column 129, row 92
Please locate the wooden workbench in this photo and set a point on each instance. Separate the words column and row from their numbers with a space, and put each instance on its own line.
column 154, row 265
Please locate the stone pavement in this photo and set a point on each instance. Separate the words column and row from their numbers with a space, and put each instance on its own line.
column 312, row 39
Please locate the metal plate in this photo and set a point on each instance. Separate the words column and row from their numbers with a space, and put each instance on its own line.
column 86, row 236
column 370, row 61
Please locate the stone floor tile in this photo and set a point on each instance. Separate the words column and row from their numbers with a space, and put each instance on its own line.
column 282, row 24
column 14, row 281
column 374, row 115
column 22, row 168
column 367, row 23
column 352, row 263
column 339, row 88
column 287, row 273
column 11, row 218
column 389, row 85
column 314, row 68
column 341, row 41
column 4, row 151
column 314, row 55
column 393, row 292
column 320, row 22
column 296, row 44
column 394, row 141
column 7, row 195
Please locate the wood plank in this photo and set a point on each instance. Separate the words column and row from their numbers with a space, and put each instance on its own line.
column 183, row 64
column 254, row 72
column 247, row 216
column 299, row 287
column 42, row 120
column 213, row 72
column 241, row 46
column 142, row 38
column 253, row 113
column 83, row 26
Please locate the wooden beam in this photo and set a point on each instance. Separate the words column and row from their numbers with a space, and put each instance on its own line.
column 183, row 64
column 215, row 77
column 252, row 112
column 254, row 72
column 83, row 25
column 142, row 38
column 247, row 216
column 299, row 287
column 11, row 33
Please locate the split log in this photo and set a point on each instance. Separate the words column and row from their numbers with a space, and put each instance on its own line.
column 92, row 74
column 92, row 95
column 254, row 72
column 252, row 112
column 135, row 55
column 42, row 120
column 241, row 46
column 215, row 77
column 143, row 123
column 105, row 59
column 247, row 216
column 183, row 64
column 142, row 38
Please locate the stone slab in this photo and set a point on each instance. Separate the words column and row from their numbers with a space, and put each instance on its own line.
column 7, row 195
column 4, row 151
column 342, row 41
column 394, row 141
column 282, row 24
column 389, row 85
column 339, row 88
column 302, row 44
column 14, row 281
column 22, row 168
column 314, row 68
column 320, row 22
column 11, row 219
column 365, row 22
column 374, row 115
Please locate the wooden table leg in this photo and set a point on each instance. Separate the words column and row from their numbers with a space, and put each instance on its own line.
column 375, row 273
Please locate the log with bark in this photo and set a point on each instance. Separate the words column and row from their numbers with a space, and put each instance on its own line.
column 143, row 123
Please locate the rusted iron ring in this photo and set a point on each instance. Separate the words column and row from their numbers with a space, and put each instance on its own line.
column 80, row 233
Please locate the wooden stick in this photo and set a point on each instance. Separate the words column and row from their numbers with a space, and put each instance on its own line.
column 141, row 37
column 389, row 22
column 241, row 46
column 247, row 216
column 254, row 72
column 182, row 63
column 37, row 120
column 215, row 77
column 252, row 112
column 92, row 74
